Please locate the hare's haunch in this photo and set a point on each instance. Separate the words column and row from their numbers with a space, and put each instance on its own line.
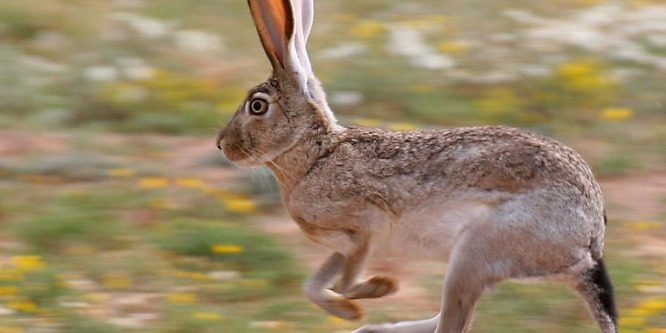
column 497, row 203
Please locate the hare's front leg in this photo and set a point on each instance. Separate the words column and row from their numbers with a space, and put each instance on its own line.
column 316, row 290
column 338, row 300
column 351, row 288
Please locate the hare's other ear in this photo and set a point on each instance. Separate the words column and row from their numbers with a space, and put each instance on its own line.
column 304, row 10
column 274, row 20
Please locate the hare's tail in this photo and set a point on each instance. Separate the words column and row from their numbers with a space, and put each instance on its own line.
column 605, row 296
column 596, row 287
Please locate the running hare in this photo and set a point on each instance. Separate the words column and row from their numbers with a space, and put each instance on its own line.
column 496, row 203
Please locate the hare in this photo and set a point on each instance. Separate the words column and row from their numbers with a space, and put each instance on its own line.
column 496, row 203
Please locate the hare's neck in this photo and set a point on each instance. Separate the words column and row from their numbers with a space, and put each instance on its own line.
column 296, row 162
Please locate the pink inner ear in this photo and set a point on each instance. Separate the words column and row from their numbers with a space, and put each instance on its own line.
column 274, row 21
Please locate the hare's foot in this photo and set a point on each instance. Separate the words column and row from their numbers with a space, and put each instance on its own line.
column 342, row 308
column 375, row 287
column 418, row 326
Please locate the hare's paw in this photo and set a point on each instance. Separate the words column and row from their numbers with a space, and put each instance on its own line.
column 377, row 286
column 343, row 308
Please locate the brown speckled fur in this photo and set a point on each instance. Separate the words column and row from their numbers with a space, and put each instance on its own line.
column 496, row 158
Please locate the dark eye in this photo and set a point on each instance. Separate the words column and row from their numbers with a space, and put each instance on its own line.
column 258, row 106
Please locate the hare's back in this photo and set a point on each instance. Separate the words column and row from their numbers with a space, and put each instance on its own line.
column 489, row 158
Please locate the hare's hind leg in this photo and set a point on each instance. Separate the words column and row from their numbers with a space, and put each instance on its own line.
column 471, row 271
column 596, row 287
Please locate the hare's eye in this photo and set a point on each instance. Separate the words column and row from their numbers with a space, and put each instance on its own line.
column 258, row 106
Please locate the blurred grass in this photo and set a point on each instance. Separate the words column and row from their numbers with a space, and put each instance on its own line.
column 92, row 244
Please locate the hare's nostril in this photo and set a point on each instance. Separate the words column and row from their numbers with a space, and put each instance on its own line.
column 220, row 138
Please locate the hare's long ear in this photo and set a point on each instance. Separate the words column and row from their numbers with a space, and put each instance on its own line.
column 274, row 20
column 304, row 10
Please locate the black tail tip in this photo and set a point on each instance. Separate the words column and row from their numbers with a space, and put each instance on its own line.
column 605, row 291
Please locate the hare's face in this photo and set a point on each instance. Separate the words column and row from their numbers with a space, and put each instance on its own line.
column 260, row 130
column 277, row 114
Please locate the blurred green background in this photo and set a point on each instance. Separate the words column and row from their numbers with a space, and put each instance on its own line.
column 117, row 214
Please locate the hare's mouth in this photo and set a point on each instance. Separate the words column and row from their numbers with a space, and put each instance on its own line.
column 244, row 158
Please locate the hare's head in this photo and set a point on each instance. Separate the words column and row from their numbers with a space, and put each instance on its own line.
column 290, row 105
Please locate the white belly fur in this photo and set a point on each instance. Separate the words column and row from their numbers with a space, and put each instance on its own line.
column 429, row 231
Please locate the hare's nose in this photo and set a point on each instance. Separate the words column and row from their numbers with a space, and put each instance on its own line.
column 220, row 138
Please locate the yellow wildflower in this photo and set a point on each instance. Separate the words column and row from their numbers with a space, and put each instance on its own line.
column 190, row 182
column 240, row 205
column 440, row 18
column 182, row 297
column 617, row 113
column 121, row 173
column 368, row 122
column 343, row 18
column 632, row 321
column 647, row 225
column 584, row 76
column 97, row 297
column 655, row 330
column 116, row 281
column 153, row 182
column 452, row 47
column 226, row 248
column 589, row 3
column 8, row 290
column 653, row 305
column 23, row 306
column 10, row 274
column 11, row 329
column 402, row 127
column 208, row 316
column 28, row 263
column 367, row 29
